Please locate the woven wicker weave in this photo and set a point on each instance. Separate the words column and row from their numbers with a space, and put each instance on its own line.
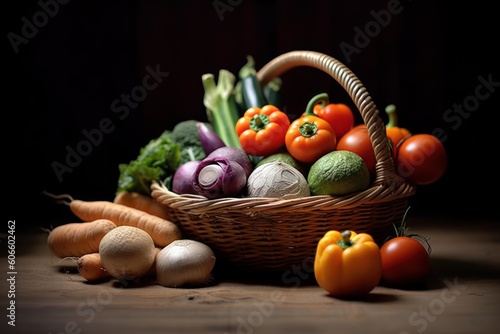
column 273, row 234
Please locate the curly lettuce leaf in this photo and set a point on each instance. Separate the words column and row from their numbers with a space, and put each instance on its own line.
column 158, row 160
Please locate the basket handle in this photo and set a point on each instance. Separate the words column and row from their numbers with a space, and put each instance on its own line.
column 384, row 168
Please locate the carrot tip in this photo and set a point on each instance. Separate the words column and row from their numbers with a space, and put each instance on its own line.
column 61, row 199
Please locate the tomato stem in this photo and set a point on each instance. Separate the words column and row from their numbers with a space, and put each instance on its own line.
column 402, row 231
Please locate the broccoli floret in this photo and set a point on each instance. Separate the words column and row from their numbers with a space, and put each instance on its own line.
column 185, row 134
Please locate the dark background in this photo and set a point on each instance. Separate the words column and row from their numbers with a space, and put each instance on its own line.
column 63, row 80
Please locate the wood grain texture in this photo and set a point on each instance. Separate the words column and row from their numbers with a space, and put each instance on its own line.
column 462, row 296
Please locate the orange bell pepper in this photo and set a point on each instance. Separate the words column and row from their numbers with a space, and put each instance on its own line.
column 261, row 131
column 395, row 133
column 310, row 137
column 347, row 264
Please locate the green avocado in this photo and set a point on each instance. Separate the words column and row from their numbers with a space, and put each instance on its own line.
column 338, row 173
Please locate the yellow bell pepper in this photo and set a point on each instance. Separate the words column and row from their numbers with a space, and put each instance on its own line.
column 347, row 264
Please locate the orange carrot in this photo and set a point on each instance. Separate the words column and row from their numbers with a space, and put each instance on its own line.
column 161, row 230
column 143, row 203
column 77, row 239
column 90, row 267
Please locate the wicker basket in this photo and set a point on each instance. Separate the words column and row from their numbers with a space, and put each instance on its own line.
column 270, row 234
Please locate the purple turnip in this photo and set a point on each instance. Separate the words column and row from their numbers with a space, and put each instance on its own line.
column 218, row 177
column 183, row 178
column 236, row 155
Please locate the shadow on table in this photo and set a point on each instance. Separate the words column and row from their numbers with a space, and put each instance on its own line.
column 462, row 269
column 443, row 270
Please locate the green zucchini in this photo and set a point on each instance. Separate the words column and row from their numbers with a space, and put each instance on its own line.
column 252, row 94
column 272, row 92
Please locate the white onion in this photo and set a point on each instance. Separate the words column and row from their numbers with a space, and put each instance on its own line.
column 184, row 262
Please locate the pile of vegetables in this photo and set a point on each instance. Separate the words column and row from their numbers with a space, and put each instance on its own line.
column 325, row 127
column 130, row 239
column 248, row 147
column 245, row 116
column 215, row 158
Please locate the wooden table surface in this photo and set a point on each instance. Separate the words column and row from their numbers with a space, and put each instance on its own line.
column 462, row 295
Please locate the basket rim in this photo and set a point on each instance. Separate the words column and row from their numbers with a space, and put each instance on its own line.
column 197, row 204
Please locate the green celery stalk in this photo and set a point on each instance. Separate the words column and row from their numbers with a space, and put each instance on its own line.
column 222, row 109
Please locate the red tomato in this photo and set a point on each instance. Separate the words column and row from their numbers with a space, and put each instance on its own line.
column 405, row 262
column 421, row 159
column 339, row 115
column 358, row 141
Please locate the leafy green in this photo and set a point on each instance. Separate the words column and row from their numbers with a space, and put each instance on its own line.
column 158, row 160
